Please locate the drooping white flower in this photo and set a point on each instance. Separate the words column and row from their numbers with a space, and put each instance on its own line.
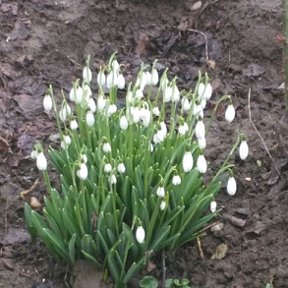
column 186, row 105
column 148, row 77
column 106, row 147
column 187, row 161
column 154, row 77
column 141, row 81
column 202, row 143
column 201, row 164
column 197, row 110
column 82, row 172
column 203, row 104
column 47, row 103
column 176, row 180
column 204, row 91
column 41, row 161
column 231, row 186
column 230, row 113
column 167, row 94
column 64, row 112
column 107, row 168
column 120, row 81
column 78, row 95
column 112, row 179
column 145, row 116
column 123, row 122
column 73, row 125
column 183, row 129
column 139, row 94
column 140, row 235
column 87, row 74
column 162, row 205
column 112, row 79
column 87, row 94
column 90, row 120
column 160, row 192
column 159, row 137
column 91, row 105
column 243, row 150
column 65, row 142
column 163, row 128
column 200, row 129
column 111, row 109
column 101, row 79
column 156, row 111
column 213, row 206
column 121, row 168
column 115, row 66
column 175, row 96
column 101, row 103
column 34, row 154
column 83, row 158
column 135, row 114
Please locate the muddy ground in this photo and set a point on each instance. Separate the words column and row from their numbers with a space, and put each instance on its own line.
column 43, row 42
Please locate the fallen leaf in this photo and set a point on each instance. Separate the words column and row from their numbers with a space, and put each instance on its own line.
column 220, row 252
column 197, row 5
column 238, row 222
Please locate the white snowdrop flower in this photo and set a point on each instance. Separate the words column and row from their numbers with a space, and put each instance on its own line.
column 175, row 96
column 64, row 112
column 135, row 114
column 123, row 122
column 141, row 81
column 87, row 74
column 203, row 104
column 167, row 94
column 163, row 127
column 154, row 77
column 41, row 161
column 112, row 179
column 78, row 95
column 160, row 192
column 197, row 110
column 183, row 129
column 101, row 103
column 139, row 94
column 82, row 172
column 121, row 168
column 90, row 120
column 213, row 206
column 145, row 116
column 201, row 164
column 159, row 136
column 65, row 142
column 243, row 150
column 107, row 168
column 162, row 205
column 111, row 109
column 83, row 158
column 87, row 93
column 230, row 113
column 204, row 92
column 34, row 154
column 156, row 111
column 111, row 80
column 120, row 82
column 231, row 186
column 140, row 235
column 148, row 77
column 200, row 129
column 106, row 147
column 73, row 125
column 92, row 105
column 101, row 78
column 187, row 162
column 72, row 94
column 202, row 143
column 186, row 105
column 176, row 180
column 47, row 103
column 115, row 66
column 129, row 97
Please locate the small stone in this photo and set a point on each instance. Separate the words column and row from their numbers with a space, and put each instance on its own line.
column 34, row 203
column 217, row 227
column 197, row 5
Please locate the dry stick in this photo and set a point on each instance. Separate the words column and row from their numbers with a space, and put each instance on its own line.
column 258, row 133
column 26, row 192
column 164, row 269
column 200, row 248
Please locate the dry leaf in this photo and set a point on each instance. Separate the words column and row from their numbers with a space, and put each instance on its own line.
column 220, row 252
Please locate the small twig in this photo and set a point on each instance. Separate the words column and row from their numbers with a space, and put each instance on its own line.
column 200, row 248
column 164, row 269
column 258, row 133
column 206, row 5
column 26, row 192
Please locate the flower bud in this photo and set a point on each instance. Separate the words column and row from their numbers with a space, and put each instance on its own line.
column 243, row 150
column 145, row 116
column 204, row 92
column 202, row 143
column 47, row 103
column 34, row 154
column 230, row 113
column 156, row 111
column 107, row 168
column 83, row 158
column 101, row 78
column 186, row 105
column 41, row 161
column 162, row 205
column 139, row 94
column 112, row 179
column 120, row 82
column 175, row 96
column 111, row 109
column 121, row 168
column 176, row 180
column 154, row 77
column 90, row 120
column 91, row 105
column 101, row 103
column 123, row 122
column 87, row 74
column 106, row 147
column 201, row 164
column 160, row 192
column 64, row 112
column 183, row 129
column 82, row 172
column 111, row 80
column 187, row 162
column 167, row 94
column 213, row 206
column 200, row 129
column 65, row 142
column 79, row 95
column 140, row 235
column 231, row 186
column 73, row 125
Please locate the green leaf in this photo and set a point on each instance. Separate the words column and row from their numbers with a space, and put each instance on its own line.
column 72, row 248
column 135, row 267
column 148, row 282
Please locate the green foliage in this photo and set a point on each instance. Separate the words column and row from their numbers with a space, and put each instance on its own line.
column 151, row 282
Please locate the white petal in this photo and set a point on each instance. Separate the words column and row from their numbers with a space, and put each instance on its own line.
column 90, row 120
column 213, row 206
column 231, row 186
column 87, row 74
column 123, row 122
column 230, row 113
column 140, row 235
column 200, row 129
column 47, row 103
column 176, row 180
column 187, row 162
column 121, row 82
column 41, row 161
column 160, row 192
column 201, row 164
column 243, row 150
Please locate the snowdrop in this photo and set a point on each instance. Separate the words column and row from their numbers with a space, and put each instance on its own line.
column 135, row 114
column 186, row 105
column 47, row 103
column 140, row 235
column 106, row 147
column 175, row 95
column 213, row 206
column 176, row 180
column 111, row 110
column 91, row 105
column 187, row 162
column 120, row 82
column 197, row 110
column 65, row 142
column 163, row 128
column 64, row 112
column 101, row 103
column 112, row 179
column 139, row 94
column 83, row 158
column 73, row 125
column 123, row 122
column 82, row 172
column 111, row 80
column 41, row 161
column 121, row 168
column 34, row 154
column 200, row 129
column 145, row 116
column 78, row 95
column 201, row 143
column 148, row 77
column 162, row 205
column 141, row 81
column 154, row 77
column 101, row 79
column 90, row 120
column 115, row 66
column 160, row 192
column 156, row 111
column 204, row 91
column 107, row 168
column 87, row 74
column 183, row 129
column 231, row 186
column 201, row 164
column 167, row 94
column 230, row 113
column 243, row 150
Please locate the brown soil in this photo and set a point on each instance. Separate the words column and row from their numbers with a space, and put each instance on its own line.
column 45, row 42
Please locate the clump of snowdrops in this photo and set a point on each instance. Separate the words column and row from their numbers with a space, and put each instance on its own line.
column 131, row 181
